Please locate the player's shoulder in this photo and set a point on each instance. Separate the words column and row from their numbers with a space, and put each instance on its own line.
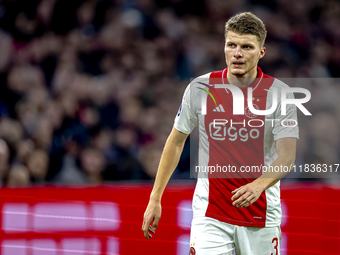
column 207, row 78
column 280, row 87
column 198, row 82
column 279, row 84
column 276, row 82
column 200, row 79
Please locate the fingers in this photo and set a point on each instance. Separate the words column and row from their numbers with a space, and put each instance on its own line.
column 234, row 191
column 247, row 202
column 246, row 195
column 242, row 199
column 246, row 199
column 155, row 223
column 151, row 218
column 145, row 227
column 238, row 193
column 252, row 201
column 145, row 223
column 147, row 233
column 152, row 230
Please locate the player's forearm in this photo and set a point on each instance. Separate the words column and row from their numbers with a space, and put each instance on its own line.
column 277, row 170
column 168, row 163
column 286, row 151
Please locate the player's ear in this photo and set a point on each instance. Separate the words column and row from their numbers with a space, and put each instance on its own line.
column 262, row 52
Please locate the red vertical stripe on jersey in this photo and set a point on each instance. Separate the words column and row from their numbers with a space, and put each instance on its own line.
column 235, row 146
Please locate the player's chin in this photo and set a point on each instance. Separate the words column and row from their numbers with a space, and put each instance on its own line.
column 237, row 72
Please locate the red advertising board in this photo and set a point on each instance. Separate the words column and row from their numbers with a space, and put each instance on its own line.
column 108, row 219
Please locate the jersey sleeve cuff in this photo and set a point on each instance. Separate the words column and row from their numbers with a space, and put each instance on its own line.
column 287, row 135
column 187, row 132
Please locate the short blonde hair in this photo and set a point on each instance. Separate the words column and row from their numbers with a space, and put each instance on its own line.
column 247, row 23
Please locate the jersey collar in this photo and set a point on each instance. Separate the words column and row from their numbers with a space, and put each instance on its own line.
column 255, row 83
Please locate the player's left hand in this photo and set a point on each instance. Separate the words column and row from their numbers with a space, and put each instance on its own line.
column 246, row 195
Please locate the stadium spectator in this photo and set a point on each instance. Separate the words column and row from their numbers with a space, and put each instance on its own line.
column 37, row 165
column 71, row 69
column 18, row 176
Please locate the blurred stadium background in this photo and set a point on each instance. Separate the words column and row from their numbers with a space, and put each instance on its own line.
column 89, row 91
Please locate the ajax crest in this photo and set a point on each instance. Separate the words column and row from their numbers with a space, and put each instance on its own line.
column 250, row 114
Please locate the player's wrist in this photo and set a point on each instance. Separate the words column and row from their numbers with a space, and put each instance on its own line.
column 155, row 198
column 152, row 200
column 263, row 183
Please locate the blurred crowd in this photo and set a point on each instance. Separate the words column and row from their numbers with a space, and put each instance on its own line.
column 89, row 89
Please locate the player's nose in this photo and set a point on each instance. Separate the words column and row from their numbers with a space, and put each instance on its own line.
column 237, row 52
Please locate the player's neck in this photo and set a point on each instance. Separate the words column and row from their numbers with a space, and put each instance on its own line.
column 242, row 80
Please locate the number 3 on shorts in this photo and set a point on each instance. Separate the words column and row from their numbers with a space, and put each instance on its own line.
column 275, row 247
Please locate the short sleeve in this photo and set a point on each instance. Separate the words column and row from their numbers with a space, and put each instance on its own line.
column 186, row 119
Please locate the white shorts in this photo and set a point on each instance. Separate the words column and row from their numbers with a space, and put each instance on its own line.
column 213, row 237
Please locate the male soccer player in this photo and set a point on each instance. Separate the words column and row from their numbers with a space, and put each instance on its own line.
column 237, row 208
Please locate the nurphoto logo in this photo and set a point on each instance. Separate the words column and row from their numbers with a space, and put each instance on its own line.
column 238, row 100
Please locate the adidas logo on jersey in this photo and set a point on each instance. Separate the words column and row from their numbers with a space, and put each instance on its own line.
column 219, row 108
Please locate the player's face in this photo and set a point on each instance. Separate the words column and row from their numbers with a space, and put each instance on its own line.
column 242, row 53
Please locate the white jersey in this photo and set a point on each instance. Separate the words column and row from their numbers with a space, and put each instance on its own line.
column 230, row 145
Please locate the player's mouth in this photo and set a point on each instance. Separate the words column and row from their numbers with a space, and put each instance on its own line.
column 237, row 63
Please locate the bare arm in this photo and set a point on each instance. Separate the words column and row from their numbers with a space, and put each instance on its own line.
column 170, row 157
column 248, row 194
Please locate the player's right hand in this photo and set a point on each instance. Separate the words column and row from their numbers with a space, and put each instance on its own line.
column 152, row 213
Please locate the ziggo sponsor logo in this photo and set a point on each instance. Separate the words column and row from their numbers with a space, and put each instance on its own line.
column 218, row 128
